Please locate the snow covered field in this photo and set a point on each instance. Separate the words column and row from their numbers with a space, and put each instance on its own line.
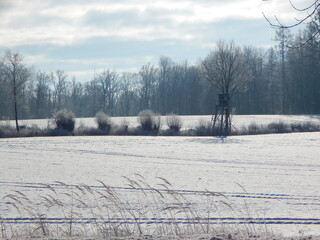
column 188, row 122
column 273, row 178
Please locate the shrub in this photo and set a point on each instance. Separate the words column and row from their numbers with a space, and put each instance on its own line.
column 32, row 131
column 174, row 122
column 149, row 121
column 253, row 128
column 7, row 131
column 104, row 122
column 64, row 120
column 305, row 127
column 56, row 132
column 89, row 131
column 123, row 129
column 204, row 128
column 278, row 127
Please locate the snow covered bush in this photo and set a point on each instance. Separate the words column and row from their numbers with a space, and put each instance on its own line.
column 305, row 127
column 7, row 131
column 103, row 121
column 174, row 122
column 31, row 131
column 64, row 120
column 204, row 128
column 149, row 121
column 278, row 127
column 253, row 128
column 123, row 128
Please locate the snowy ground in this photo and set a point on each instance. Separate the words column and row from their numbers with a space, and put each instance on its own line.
column 188, row 122
column 272, row 177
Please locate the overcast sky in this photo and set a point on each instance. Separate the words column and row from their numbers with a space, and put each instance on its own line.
column 83, row 36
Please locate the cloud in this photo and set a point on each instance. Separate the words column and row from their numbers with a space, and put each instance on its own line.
column 84, row 69
column 80, row 35
column 5, row 5
column 69, row 22
column 102, row 53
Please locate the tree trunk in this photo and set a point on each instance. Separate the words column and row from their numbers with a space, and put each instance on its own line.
column 226, row 130
column 16, row 114
column 227, row 124
column 15, row 99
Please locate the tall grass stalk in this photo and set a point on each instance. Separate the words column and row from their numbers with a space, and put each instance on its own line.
column 104, row 211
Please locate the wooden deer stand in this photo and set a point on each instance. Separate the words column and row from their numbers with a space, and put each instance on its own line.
column 221, row 122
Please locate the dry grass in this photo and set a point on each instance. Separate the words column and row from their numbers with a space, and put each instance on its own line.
column 277, row 127
column 149, row 121
column 150, row 125
column 79, row 211
column 174, row 122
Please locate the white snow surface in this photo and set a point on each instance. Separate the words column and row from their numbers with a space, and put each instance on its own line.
column 188, row 122
column 275, row 176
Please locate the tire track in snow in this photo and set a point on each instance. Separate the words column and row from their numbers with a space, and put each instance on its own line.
column 144, row 220
column 179, row 191
column 303, row 200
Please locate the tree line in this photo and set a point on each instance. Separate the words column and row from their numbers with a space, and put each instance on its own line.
column 283, row 80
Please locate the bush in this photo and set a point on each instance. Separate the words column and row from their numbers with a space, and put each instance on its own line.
column 149, row 121
column 104, row 122
column 253, row 128
column 56, row 132
column 305, row 127
column 174, row 122
column 204, row 128
column 278, row 127
column 64, row 120
column 33, row 131
column 123, row 129
column 7, row 131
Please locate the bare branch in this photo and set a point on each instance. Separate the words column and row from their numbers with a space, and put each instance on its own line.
column 279, row 25
column 313, row 8
column 304, row 9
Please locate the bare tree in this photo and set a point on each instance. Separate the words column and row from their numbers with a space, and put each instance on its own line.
column 164, row 78
column 128, row 97
column 310, row 13
column 283, row 36
column 17, row 74
column 60, row 89
column 226, row 68
column 148, row 75
column 4, row 94
column 92, row 97
column 42, row 90
column 108, row 82
column 76, row 95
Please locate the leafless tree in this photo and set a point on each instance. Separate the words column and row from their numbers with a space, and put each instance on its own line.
column 128, row 97
column 108, row 82
column 76, row 95
column 283, row 36
column 42, row 91
column 17, row 74
column 226, row 68
column 310, row 12
column 60, row 89
column 164, row 77
column 92, row 97
column 148, row 74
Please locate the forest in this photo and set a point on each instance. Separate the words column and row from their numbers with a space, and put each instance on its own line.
column 284, row 79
